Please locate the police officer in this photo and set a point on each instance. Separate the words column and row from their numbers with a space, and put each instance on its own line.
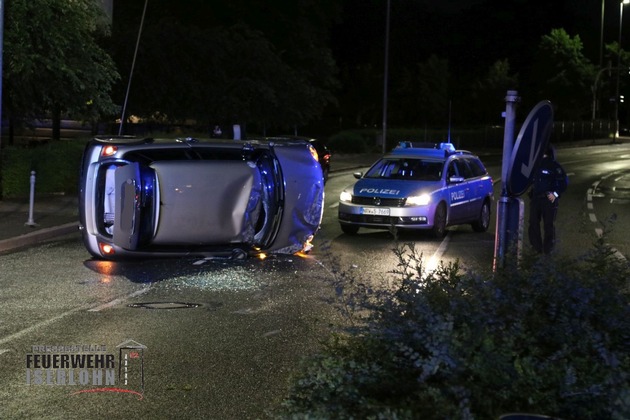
column 550, row 181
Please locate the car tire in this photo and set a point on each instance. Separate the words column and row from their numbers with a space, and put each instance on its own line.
column 482, row 224
column 349, row 229
column 439, row 222
column 325, row 175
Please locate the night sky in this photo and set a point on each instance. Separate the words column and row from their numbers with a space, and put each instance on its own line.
column 471, row 34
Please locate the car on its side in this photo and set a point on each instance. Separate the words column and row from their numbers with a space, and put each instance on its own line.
column 419, row 186
column 174, row 197
column 323, row 153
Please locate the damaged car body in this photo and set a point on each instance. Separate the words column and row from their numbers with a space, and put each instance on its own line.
column 228, row 198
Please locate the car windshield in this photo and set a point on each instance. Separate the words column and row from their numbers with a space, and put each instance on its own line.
column 406, row 169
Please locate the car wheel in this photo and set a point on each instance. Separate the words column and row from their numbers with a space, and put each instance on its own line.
column 439, row 222
column 349, row 229
column 482, row 224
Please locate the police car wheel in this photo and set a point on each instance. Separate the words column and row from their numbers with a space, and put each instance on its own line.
column 482, row 224
column 439, row 222
column 349, row 229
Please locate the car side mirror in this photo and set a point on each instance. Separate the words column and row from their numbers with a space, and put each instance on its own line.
column 456, row 179
column 358, row 175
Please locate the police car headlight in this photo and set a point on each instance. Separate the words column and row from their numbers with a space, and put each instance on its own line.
column 345, row 196
column 418, row 200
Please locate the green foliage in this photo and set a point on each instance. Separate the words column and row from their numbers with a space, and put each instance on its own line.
column 488, row 93
column 424, row 93
column 564, row 75
column 56, row 165
column 347, row 142
column 550, row 337
column 239, row 68
column 54, row 61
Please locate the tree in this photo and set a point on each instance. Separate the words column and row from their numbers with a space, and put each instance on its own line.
column 261, row 63
column 488, row 93
column 423, row 94
column 562, row 74
column 54, row 64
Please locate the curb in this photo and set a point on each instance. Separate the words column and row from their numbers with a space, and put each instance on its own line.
column 38, row 236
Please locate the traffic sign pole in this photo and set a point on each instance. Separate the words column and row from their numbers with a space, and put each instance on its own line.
column 500, row 241
column 520, row 163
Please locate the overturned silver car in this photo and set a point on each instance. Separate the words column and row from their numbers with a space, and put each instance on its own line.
column 231, row 198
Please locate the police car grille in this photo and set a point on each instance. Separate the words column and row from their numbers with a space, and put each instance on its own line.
column 378, row 201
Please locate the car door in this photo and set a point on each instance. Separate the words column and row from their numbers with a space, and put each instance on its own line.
column 127, row 187
column 478, row 185
column 458, row 191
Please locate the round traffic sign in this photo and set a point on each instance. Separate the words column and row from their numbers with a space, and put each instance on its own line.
column 531, row 142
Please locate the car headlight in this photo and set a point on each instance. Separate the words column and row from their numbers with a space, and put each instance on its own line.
column 418, row 200
column 345, row 196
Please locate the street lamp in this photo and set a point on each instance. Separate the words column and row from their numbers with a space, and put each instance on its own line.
column 386, row 76
column 621, row 4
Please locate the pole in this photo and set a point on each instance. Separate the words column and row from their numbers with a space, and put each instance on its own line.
column 133, row 64
column 500, row 244
column 31, row 221
column 385, row 77
column 1, row 75
column 601, row 37
column 616, row 135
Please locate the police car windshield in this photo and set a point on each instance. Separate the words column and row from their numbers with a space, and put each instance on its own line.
column 406, row 169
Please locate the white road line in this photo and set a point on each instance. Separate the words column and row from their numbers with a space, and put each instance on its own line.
column 593, row 218
column 2, row 351
column 40, row 325
column 49, row 321
column 332, row 206
column 119, row 300
column 435, row 259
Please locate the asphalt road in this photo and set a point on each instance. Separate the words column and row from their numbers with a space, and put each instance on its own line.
column 220, row 339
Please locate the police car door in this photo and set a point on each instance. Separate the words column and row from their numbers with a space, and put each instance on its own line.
column 458, row 191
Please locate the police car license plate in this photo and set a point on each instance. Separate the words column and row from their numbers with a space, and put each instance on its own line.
column 374, row 211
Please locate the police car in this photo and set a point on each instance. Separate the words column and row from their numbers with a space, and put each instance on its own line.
column 419, row 186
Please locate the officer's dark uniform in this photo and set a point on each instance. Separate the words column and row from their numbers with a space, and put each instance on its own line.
column 549, row 183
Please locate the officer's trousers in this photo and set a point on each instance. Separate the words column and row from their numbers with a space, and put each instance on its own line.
column 541, row 209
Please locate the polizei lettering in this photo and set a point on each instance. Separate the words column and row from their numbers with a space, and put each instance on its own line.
column 378, row 191
column 458, row 195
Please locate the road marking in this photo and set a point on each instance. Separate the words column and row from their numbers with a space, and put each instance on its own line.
column 32, row 328
column 332, row 206
column 590, row 193
column 2, row 351
column 49, row 321
column 435, row 259
column 119, row 300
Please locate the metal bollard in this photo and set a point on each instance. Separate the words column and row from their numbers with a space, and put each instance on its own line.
column 31, row 221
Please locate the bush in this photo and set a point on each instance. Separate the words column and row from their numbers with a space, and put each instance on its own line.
column 347, row 142
column 551, row 336
column 56, row 165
